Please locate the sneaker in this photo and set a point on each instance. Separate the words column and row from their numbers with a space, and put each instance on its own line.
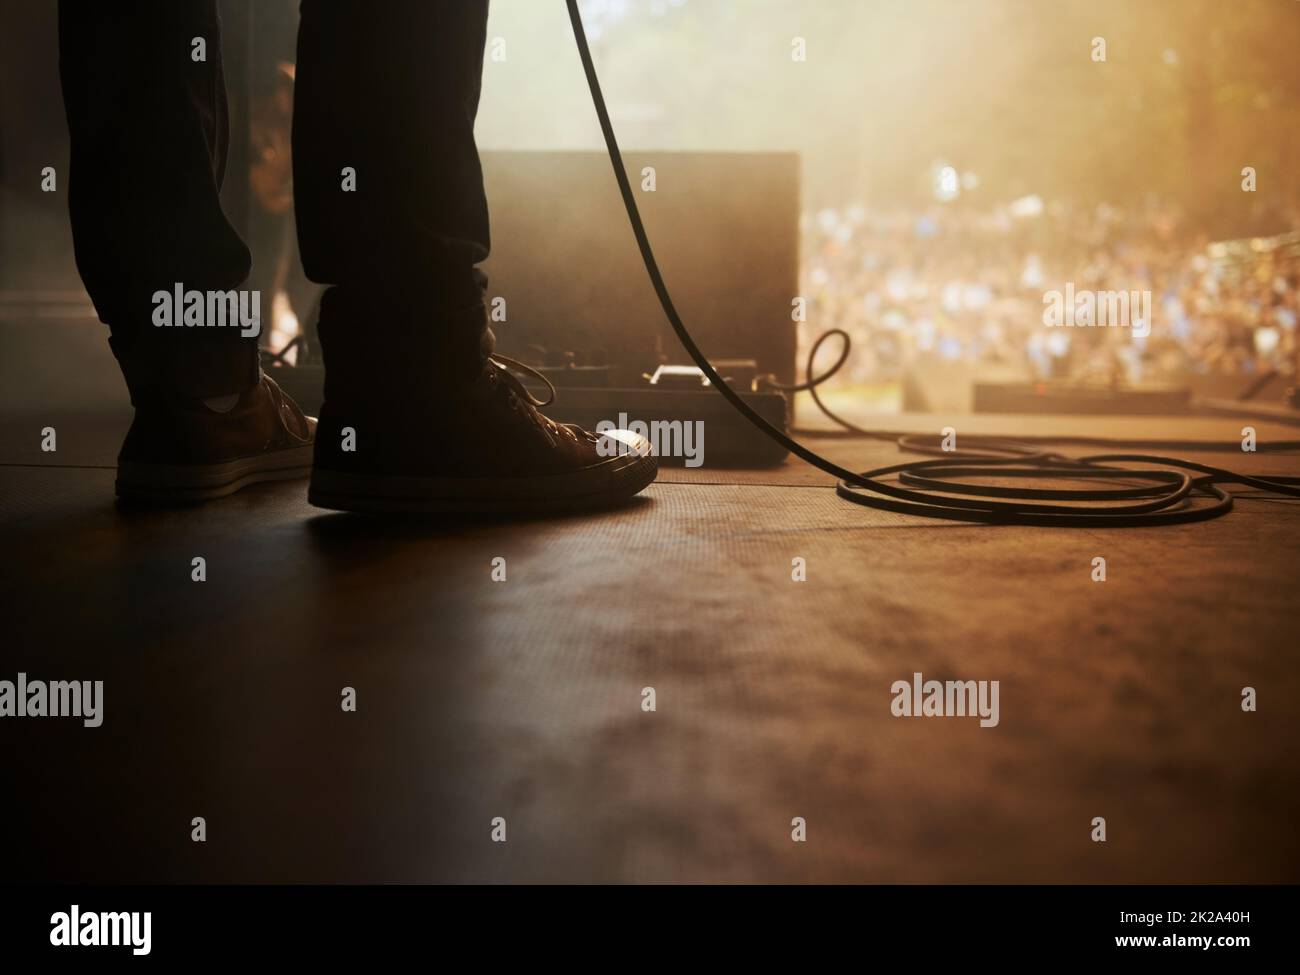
column 184, row 450
column 483, row 446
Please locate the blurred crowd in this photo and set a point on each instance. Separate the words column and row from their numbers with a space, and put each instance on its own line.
column 957, row 284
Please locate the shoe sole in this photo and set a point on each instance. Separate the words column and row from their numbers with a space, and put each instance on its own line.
column 183, row 483
column 601, row 485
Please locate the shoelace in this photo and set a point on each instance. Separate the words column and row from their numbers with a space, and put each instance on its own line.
column 501, row 370
column 288, row 414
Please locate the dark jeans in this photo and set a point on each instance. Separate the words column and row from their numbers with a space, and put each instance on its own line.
column 388, row 89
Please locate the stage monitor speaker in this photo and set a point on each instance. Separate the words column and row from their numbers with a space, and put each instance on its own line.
column 566, row 276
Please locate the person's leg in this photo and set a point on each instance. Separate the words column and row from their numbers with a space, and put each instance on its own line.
column 149, row 137
column 392, row 214
column 145, row 102
column 388, row 190
column 390, row 92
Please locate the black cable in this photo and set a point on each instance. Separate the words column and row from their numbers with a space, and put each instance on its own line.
column 939, row 494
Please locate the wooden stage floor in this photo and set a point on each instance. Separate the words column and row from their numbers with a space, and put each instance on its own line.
column 522, row 699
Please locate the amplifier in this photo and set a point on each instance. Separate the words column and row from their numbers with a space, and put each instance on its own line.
column 565, row 274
